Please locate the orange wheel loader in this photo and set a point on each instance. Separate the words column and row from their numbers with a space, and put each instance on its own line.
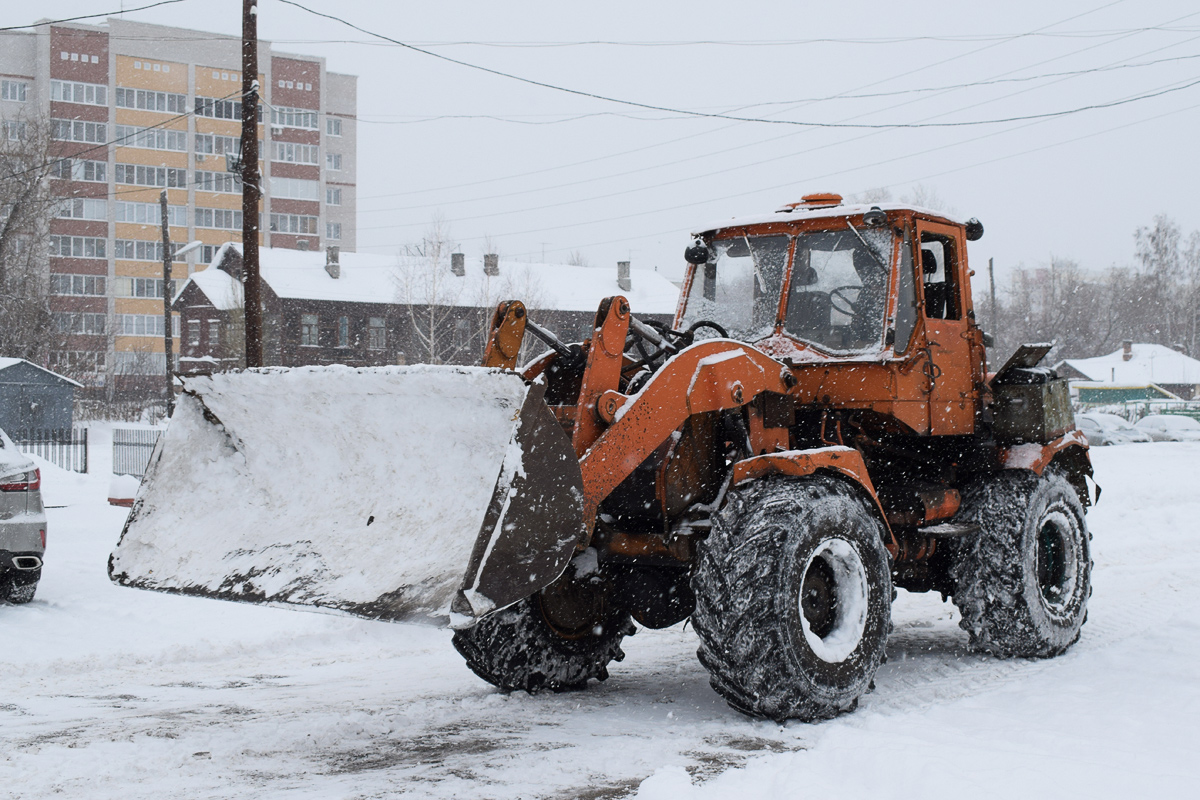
column 817, row 427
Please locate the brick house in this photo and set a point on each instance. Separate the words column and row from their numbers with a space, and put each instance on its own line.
column 361, row 309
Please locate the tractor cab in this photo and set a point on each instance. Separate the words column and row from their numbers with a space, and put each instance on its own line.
column 844, row 287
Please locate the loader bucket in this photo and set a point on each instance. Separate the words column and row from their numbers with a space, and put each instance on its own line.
column 390, row 493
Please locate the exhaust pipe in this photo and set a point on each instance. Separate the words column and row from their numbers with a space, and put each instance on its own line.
column 27, row 563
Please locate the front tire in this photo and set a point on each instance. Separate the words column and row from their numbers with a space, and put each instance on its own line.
column 557, row 640
column 793, row 598
column 1022, row 584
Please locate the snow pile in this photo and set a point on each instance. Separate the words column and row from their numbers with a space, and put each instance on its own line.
column 360, row 489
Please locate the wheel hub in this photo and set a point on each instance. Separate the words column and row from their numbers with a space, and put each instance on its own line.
column 818, row 597
column 833, row 600
column 1052, row 575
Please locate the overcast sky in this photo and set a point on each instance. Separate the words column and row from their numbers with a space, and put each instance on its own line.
column 543, row 171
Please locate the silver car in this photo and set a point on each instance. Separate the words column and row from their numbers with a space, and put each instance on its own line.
column 22, row 524
column 1109, row 429
column 1170, row 428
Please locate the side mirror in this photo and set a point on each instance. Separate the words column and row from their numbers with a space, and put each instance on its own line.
column 698, row 253
column 974, row 230
column 988, row 339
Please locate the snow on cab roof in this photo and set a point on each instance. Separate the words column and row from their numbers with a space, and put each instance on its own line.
column 372, row 278
column 801, row 212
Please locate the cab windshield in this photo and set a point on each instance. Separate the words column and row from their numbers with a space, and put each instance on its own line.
column 838, row 294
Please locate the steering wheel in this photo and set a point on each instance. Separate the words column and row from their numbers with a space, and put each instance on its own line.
column 703, row 323
column 851, row 309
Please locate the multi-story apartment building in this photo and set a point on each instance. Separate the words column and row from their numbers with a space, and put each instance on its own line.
column 134, row 109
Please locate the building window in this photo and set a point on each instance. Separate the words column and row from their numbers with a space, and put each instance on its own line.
column 83, row 208
column 226, row 219
column 76, row 130
column 14, row 130
column 87, row 324
column 214, row 332
column 333, row 126
column 292, row 153
column 140, row 175
column 149, row 138
column 77, row 247
column 144, row 325
column 293, row 223
column 333, row 161
column 144, row 100
column 140, row 287
column 86, row 285
column 376, row 334
column 193, row 333
column 333, row 196
column 308, row 330
column 92, row 94
column 214, row 144
column 76, row 361
column 223, row 182
column 294, row 118
column 138, row 250
column 295, row 188
column 75, row 169
column 333, row 230
column 343, row 329
column 221, row 109
column 16, row 91
column 462, row 333
column 150, row 213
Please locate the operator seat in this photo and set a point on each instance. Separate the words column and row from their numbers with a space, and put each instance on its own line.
column 809, row 310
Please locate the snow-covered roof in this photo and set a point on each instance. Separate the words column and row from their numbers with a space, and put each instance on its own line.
column 6, row 362
column 1151, row 363
column 372, row 278
column 804, row 213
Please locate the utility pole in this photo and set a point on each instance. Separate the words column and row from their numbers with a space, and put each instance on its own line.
column 168, row 340
column 992, row 283
column 250, row 184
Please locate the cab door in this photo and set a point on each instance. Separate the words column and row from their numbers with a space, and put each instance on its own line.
column 945, row 303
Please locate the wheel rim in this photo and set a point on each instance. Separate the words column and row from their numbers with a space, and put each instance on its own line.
column 1056, row 560
column 833, row 600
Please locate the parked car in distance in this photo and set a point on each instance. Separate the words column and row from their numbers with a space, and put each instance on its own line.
column 22, row 524
column 1102, row 429
column 1170, row 428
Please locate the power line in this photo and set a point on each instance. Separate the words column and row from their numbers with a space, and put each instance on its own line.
column 88, row 16
column 726, row 127
column 558, row 119
column 730, row 117
column 684, row 160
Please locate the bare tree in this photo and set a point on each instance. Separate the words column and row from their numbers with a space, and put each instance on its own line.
column 431, row 296
column 26, row 208
column 578, row 259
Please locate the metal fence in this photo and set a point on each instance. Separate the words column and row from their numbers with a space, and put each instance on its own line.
column 132, row 448
column 63, row 447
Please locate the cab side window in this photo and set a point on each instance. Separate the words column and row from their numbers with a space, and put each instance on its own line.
column 939, row 266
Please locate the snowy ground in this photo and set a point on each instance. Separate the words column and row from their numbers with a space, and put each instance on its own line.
column 116, row 693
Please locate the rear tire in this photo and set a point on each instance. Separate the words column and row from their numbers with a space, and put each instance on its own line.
column 1022, row 584
column 17, row 591
column 519, row 647
column 793, row 598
